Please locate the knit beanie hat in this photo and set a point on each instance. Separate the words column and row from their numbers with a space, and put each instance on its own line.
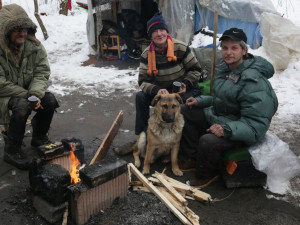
column 156, row 22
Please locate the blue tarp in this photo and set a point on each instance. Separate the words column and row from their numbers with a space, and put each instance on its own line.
column 251, row 29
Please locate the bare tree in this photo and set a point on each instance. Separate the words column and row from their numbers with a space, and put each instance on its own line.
column 0, row 4
column 63, row 7
column 37, row 16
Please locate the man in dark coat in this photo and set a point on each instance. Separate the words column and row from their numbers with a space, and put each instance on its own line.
column 238, row 113
column 164, row 61
column 24, row 73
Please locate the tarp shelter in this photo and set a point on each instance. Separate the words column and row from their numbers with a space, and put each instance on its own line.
column 110, row 10
column 243, row 14
column 178, row 14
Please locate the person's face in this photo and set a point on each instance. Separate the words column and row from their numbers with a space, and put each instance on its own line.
column 18, row 36
column 232, row 53
column 159, row 37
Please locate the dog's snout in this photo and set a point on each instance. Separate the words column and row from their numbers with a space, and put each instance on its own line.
column 168, row 118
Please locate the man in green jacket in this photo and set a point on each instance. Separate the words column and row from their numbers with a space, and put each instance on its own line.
column 238, row 113
column 24, row 73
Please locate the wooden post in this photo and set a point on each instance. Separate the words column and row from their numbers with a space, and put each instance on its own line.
column 102, row 150
column 114, row 8
column 0, row 4
column 37, row 16
column 213, row 60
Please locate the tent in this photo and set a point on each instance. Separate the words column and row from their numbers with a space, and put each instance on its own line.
column 243, row 14
column 179, row 16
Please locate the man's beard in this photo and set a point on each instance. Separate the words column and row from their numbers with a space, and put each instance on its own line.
column 16, row 46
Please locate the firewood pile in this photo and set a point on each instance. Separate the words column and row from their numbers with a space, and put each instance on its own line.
column 174, row 194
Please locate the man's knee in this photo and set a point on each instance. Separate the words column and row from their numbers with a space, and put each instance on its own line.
column 49, row 101
column 19, row 106
column 140, row 97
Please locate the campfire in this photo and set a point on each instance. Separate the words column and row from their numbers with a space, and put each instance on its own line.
column 74, row 171
column 60, row 186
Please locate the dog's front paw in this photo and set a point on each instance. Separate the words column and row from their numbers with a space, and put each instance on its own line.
column 178, row 172
column 137, row 163
column 146, row 170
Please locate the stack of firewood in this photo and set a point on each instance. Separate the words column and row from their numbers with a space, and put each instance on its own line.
column 172, row 193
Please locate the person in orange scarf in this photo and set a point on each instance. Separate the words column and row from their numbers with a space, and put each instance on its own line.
column 163, row 62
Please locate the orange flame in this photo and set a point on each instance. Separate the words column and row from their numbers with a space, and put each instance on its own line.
column 74, row 172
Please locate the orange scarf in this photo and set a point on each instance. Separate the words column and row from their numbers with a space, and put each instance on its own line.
column 151, row 56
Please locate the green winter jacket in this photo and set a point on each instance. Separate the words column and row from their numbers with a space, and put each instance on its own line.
column 32, row 74
column 243, row 101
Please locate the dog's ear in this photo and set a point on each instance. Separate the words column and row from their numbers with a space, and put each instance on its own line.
column 155, row 100
column 179, row 99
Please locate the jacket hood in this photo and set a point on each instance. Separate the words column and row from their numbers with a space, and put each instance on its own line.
column 263, row 66
column 11, row 17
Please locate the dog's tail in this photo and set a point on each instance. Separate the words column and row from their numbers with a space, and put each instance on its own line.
column 140, row 145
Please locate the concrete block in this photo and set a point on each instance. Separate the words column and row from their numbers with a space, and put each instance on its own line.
column 50, row 213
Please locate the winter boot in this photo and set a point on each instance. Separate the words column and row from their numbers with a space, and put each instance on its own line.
column 14, row 155
column 39, row 139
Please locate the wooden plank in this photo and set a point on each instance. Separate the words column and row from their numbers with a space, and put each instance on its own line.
column 172, row 190
column 192, row 217
column 103, row 149
column 158, row 194
column 191, row 191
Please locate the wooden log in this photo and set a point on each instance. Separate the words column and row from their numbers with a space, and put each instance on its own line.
column 192, row 217
column 158, row 194
column 172, row 190
column 103, row 149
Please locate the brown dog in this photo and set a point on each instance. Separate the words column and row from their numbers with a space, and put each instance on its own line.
column 163, row 135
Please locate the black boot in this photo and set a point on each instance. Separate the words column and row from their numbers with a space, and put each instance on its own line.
column 14, row 155
column 39, row 139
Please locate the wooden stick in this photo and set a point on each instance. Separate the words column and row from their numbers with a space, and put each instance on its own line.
column 213, row 59
column 38, row 18
column 192, row 217
column 102, row 150
column 158, row 194
column 172, row 190
column 65, row 217
column 140, row 188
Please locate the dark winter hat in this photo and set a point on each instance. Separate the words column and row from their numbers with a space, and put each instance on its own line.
column 156, row 22
column 235, row 34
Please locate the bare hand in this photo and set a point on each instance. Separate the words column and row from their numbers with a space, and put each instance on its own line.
column 217, row 130
column 162, row 92
column 38, row 105
column 182, row 89
column 191, row 101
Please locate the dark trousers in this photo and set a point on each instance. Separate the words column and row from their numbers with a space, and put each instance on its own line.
column 205, row 147
column 20, row 113
column 143, row 101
